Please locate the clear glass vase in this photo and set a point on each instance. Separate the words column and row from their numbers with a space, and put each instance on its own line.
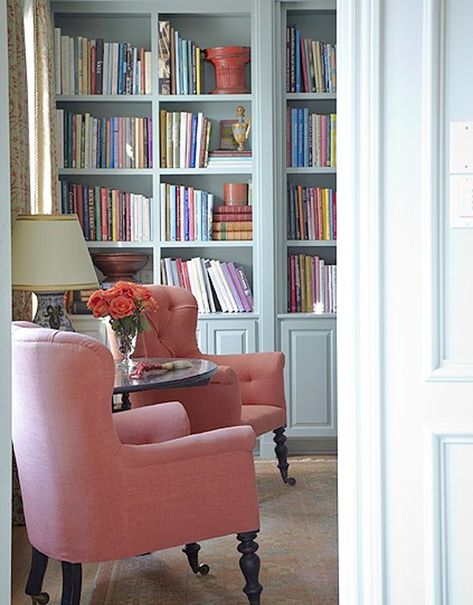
column 126, row 343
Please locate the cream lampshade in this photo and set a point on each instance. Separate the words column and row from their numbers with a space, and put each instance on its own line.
column 50, row 256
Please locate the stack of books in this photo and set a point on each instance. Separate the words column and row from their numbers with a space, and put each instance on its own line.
column 179, row 63
column 232, row 223
column 311, row 138
column 312, row 213
column 88, row 142
column 95, row 67
column 230, row 157
column 217, row 286
column 108, row 215
column 186, row 213
column 310, row 64
column 312, row 285
column 184, row 139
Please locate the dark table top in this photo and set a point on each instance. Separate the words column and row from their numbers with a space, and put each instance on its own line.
column 199, row 374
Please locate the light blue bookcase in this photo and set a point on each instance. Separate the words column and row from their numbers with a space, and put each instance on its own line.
column 308, row 340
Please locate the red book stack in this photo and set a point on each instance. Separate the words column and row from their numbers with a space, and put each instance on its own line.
column 232, row 223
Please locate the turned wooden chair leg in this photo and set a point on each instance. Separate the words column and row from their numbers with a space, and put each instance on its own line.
column 281, row 453
column 39, row 562
column 71, row 583
column 250, row 565
column 192, row 552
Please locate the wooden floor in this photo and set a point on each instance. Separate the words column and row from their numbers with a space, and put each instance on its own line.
column 21, row 557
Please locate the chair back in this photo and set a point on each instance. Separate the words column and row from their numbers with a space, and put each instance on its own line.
column 65, row 443
column 172, row 326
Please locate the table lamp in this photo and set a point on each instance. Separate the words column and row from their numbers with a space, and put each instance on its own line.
column 50, row 256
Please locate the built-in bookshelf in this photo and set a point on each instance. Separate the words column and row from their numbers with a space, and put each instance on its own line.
column 283, row 243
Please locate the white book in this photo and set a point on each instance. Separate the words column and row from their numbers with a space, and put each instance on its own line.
column 197, row 214
column 175, row 139
column 147, row 68
column 164, row 280
column 147, row 219
column 193, row 278
column 60, row 137
column 182, row 139
column 136, row 81
column 114, row 82
column 210, row 208
column 201, row 284
column 72, row 67
column 87, row 138
column 182, row 226
column 65, row 65
column 105, row 68
column 168, row 269
column 208, row 288
column 228, row 290
column 162, row 212
column 216, row 284
column 57, row 60
column 219, row 277
column 175, row 274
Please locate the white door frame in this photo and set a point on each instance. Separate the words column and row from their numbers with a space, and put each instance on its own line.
column 360, row 288
column 362, row 547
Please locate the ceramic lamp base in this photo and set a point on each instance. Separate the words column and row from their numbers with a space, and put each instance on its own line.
column 51, row 312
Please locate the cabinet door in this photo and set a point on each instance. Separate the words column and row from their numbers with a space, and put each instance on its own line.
column 229, row 336
column 90, row 326
column 310, row 376
column 201, row 334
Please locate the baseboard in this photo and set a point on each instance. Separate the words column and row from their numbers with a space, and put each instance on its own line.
column 299, row 446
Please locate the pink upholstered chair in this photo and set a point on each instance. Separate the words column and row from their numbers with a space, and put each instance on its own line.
column 247, row 389
column 98, row 487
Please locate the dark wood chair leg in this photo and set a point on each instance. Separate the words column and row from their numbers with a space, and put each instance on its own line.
column 71, row 583
column 192, row 552
column 281, row 453
column 250, row 565
column 39, row 562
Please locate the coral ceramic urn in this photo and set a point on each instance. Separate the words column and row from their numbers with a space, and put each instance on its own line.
column 229, row 63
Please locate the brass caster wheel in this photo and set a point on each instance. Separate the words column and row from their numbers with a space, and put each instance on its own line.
column 203, row 569
column 40, row 599
column 291, row 481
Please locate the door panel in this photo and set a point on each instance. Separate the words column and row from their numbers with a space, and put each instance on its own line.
column 231, row 336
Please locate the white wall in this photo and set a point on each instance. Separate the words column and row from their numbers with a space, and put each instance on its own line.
column 5, row 317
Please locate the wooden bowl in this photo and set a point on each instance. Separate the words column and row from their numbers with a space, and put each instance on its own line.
column 117, row 266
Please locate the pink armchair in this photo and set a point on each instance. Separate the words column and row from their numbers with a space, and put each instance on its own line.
column 247, row 389
column 98, row 487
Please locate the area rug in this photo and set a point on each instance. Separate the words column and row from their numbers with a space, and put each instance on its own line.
column 298, row 550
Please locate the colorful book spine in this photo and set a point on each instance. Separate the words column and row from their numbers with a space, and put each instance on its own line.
column 311, row 139
column 311, row 213
column 311, row 285
column 184, row 139
column 185, row 213
column 179, row 63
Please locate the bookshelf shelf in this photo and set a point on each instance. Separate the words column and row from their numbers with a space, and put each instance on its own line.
column 106, row 171
column 147, row 245
column 311, row 170
column 228, row 316
column 209, row 170
column 311, row 96
column 307, row 315
column 209, row 244
column 104, row 98
column 316, row 243
column 205, row 98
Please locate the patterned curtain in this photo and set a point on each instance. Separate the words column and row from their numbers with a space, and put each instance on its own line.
column 46, row 198
column 19, row 168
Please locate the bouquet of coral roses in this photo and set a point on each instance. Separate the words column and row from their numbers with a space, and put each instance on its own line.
column 126, row 304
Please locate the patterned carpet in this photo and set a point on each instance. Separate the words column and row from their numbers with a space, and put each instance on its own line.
column 298, row 550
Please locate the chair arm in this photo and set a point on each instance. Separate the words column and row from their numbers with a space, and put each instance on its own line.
column 152, row 424
column 261, row 376
column 221, row 441
column 213, row 406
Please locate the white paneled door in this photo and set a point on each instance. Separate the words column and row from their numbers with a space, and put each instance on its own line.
column 405, row 327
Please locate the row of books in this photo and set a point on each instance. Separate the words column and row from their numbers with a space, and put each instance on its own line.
column 113, row 142
column 311, row 138
column 108, row 215
column 230, row 157
column 184, row 139
column 95, row 67
column 232, row 223
column 186, row 213
column 311, row 213
column 312, row 285
column 179, row 63
column 217, row 286
column 311, row 66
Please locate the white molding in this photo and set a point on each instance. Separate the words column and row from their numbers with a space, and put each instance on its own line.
column 5, row 319
column 433, row 162
column 362, row 540
column 437, row 556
